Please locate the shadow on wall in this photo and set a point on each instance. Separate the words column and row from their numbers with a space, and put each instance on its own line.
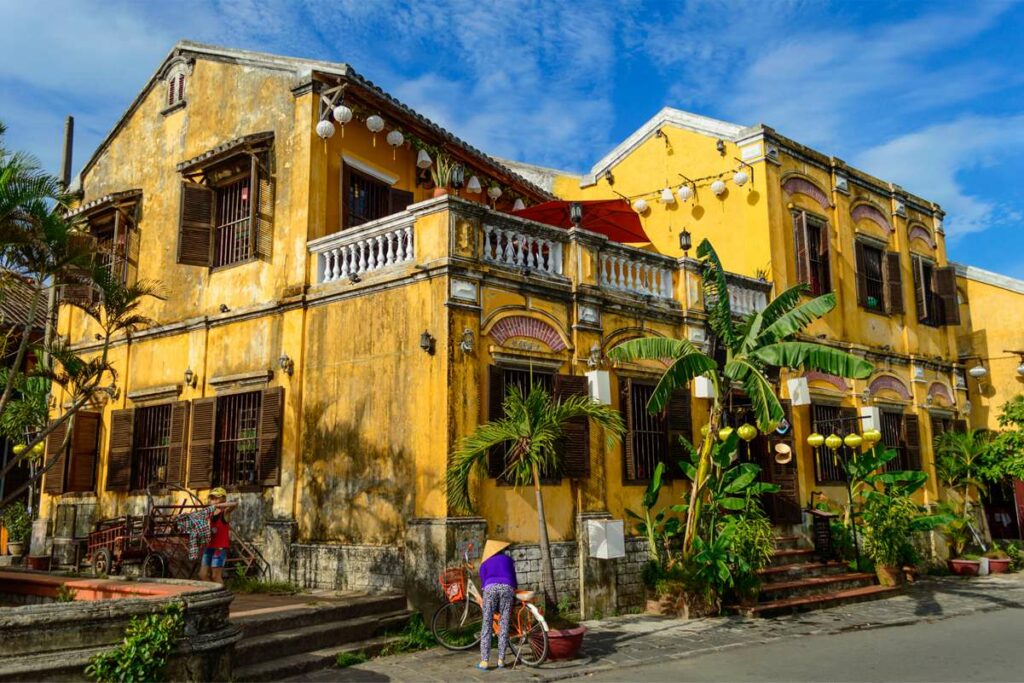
column 354, row 490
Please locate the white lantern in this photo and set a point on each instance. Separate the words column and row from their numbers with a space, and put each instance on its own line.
column 375, row 123
column 423, row 159
column 473, row 186
column 667, row 197
column 978, row 371
column 718, row 187
column 640, row 205
column 494, row 192
column 342, row 114
column 519, row 205
column 324, row 129
column 395, row 138
column 740, row 178
column 1020, row 369
column 685, row 192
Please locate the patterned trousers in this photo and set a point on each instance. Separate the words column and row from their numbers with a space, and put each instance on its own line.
column 498, row 597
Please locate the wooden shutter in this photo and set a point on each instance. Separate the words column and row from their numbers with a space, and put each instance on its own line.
column 81, row 471
column 54, row 483
column 575, row 444
column 176, row 448
column 119, row 456
column 920, row 291
column 862, row 273
column 200, row 446
column 680, row 425
column 261, row 210
column 893, row 283
column 131, row 251
column 271, row 422
column 398, row 200
column 803, row 255
column 945, row 288
column 626, row 407
column 787, row 501
column 195, row 225
column 912, row 441
column 495, row 397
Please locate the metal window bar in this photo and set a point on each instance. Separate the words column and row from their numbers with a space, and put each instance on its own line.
column 817, row 251
column 235, row 460
column 233, row 236
column 152, row 441
column 523, row 379
column 874, row 278
column 828, row 468
column 367, row 199
column 649, row 433
column 892, row 433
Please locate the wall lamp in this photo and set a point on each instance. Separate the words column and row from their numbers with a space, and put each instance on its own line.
column 286, row 364
column 466, row 345
column 576, row 214
column 190, row 378
column 685, row 241
column 428, row 343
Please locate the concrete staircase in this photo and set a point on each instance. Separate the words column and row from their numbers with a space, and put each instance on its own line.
column 293, row 639
column 797, row 581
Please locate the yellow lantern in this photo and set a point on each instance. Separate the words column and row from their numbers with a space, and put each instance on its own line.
column 724, row 433
column 815, row 440
column 853, row 440
column 705, row 429
column 834, row 441
column 872, row 436
column 747, row 432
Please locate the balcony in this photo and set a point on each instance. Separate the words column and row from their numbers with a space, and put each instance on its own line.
column 352, row 254
column 747, row 295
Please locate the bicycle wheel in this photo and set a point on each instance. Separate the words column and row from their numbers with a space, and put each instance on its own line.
column 457, row 625
column 529, row 640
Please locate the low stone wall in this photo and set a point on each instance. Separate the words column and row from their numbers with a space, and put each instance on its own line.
column 369, row 568
column 564, row 561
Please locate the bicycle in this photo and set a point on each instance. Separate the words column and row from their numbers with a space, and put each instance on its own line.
column 458, row 624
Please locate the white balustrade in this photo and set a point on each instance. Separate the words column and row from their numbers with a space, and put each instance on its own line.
column 520, row 249
column 343, row 256
column 744, row 300
column 620, row 271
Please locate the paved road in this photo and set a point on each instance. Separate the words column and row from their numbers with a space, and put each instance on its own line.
column 977, row 647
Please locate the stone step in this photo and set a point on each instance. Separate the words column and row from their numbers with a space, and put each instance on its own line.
column 811, row 602
column 317, row 612
column 814, row 585
column 306, row 638
column 791, row 572
column 791, row 555
column 789, row 542
column 282, row 668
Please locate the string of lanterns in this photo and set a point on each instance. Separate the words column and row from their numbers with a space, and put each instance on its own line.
column 449, row 172
column 686, row 190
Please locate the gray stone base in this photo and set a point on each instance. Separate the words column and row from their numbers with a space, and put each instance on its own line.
column 367, row 568
column 430, row 546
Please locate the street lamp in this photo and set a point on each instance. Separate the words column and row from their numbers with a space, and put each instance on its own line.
column 685, row 241
column 576, row 214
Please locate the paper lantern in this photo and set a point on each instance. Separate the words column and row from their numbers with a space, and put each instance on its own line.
column 473, row 185
column 834, row 441
column 815, row 440
column 640, row 205
column 324, row 129
column 375, row 124
column 872, row 436
column 718, row 187
column 724, row 433
column 740, row 178
column 494, row 192
column 853, row 440
column 423, row 159
column 667, row 197
column 685, row 193
column 518, row 205
column 747, row 432
column 396, row 140
column 342, row 114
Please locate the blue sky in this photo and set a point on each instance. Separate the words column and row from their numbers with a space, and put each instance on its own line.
column 927, row 95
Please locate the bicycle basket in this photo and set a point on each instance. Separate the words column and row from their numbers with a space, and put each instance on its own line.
column 453, row 583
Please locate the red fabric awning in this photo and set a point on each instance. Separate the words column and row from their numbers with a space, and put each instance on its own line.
column 613, row 218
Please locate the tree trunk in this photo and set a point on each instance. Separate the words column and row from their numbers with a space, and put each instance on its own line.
column 703, row 466
column 546, row 568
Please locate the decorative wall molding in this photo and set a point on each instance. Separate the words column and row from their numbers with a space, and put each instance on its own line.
column 798, row 185
column 940, row 390
column 890, row 383
column 838, row 383
column 167, row 392
column 921, row 233
column 871, row 213
column 523, row 326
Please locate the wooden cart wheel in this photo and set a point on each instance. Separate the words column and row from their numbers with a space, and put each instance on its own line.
column 102, row 561
column 154, row 566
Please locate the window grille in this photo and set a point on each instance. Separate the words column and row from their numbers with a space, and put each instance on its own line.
column 366, row 199
column 152, row 442
column 817, row 254
column 232, row 223
column 649, row 434
column 523, row 379
column 874, row 279
column 892, row 438
column 235, row 458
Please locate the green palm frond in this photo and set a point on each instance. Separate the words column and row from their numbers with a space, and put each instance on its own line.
column 716, row 291
column 784, row 303
column 766, row 405
column 678, row 376
column 811, row 356
column 793, row 321
column 652, row 348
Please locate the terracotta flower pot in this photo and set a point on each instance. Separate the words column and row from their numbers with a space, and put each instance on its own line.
column 15, row 549
column 38, row 562
column 565, row 643
column 996, row 566
column 440, row 191
column 964, row 567
column 889, row 575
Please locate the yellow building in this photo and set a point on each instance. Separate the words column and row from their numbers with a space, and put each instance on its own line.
column 333, row 324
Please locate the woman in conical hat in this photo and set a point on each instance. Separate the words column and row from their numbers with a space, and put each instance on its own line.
column 498, row 580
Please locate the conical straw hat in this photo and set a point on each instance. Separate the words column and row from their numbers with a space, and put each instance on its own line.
column 492, row 547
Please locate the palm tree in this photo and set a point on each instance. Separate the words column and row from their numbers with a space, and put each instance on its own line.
column 959, row 465
column 530, row 431
column 757, row 342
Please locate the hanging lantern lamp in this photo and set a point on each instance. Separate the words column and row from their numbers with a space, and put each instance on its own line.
column 375, row 124
column 396, row 140
column 872, row 436
column 473, row 186
column 853, row 440
column 342, row 115
column 724, row 433
column 747, row 432
column 640, row 206
column 718, row 187
column 815, row 440
column 493, row 191
column 685, row 192
column 834, row 441
column 518, row 204
column 740, row 178
column 667, row 197
column 325, row 129
column 423, row 159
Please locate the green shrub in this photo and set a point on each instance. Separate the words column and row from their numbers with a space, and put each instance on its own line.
column 65, row 594
column 345, row 659
column 1015, row 554
column 142, row 656
column 17, row 522
column 970, row 556
column 240, row 582
column 415, row 636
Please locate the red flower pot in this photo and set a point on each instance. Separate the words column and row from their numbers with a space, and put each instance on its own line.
column 565, row 643
column 964, row 567
column 38, row 562
column 998, row 566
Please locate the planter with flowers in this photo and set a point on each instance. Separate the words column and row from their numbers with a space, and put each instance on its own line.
column 18, row 525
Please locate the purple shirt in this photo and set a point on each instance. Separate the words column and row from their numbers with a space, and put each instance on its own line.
column 498, row 568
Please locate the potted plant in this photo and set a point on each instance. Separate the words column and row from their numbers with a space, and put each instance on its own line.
column 998, row 561
column 530, row 435
column 18, row 525
column 966, row 565
column 441, row 172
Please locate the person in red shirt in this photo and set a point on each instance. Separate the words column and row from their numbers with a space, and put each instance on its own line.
column 216, row 553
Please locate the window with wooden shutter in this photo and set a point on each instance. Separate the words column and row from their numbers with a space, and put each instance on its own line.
column 365, row 198
column 270, row 431
column 195, row 225
column 150, row 445
column 175, row 471
column 629, row 469
column 495, row 397
column 680, row 426
column 819, row 270
column 803, row 262
column 575, row 443
column 870, row 277
column 945, row 291
column 84, row 447
column 200, row 446
column 523, row 379
column 647, row 434
column 894, row 282
column 55, row 448
column 929, row 304
column 912, row 441
column 264, row 205
column 119, row 456
column 236, row 447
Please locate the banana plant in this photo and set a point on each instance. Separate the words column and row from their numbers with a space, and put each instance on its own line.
column 753, row 345
column 657, row 527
